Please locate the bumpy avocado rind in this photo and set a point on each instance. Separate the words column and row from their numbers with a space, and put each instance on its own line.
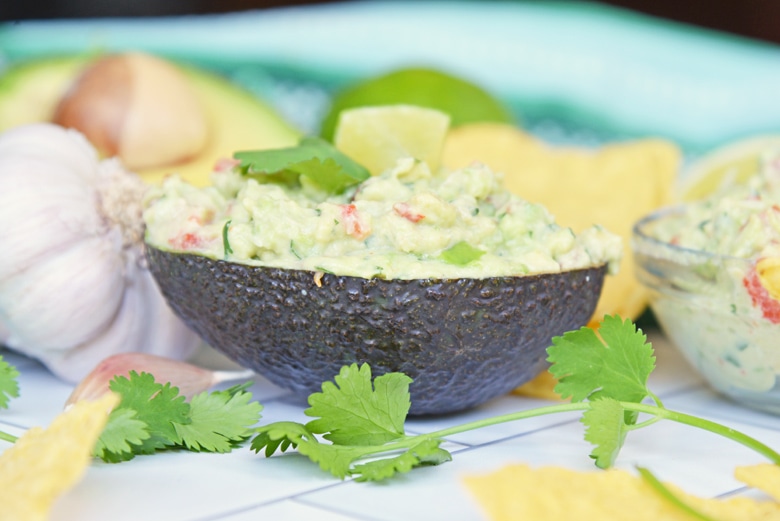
column 463, row 341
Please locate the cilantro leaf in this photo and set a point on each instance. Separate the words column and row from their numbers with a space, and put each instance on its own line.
column 9, row 385
column 355, row 411
column 157, row 405
column 121, row 436
column 218, row 420
column 336, row 459
column 313, row 158
column 280, row 436
column 606, row 429
column 152, row 416
column 617, row 367
column 427, row 452
column 461, row 254
column 607, row 380
column 359, row 417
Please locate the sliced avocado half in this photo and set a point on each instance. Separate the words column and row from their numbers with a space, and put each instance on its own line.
column 463, row 341
column 238, row 120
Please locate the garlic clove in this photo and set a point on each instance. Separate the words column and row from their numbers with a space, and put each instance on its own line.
column 43, row 210
column 143, row 322
column 87, row 295
column 69, row 149
column 189, row 378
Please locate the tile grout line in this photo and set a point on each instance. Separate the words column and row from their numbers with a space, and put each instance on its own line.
column 269, row 502
column 514, row 436
column 14, row 425
column 730, row 493
column 299, row 498
column 682, row 391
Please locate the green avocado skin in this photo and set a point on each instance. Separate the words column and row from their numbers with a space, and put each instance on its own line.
column 462, row 341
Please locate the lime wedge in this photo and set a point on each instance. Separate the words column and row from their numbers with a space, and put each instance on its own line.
column 376, row 137
column 727, row 166
column 462, row 100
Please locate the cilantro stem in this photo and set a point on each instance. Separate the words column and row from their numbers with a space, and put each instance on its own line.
column 654, row 410
column 8, row 437
column 521, row 415
column 707, row 425
column 670, row 496
column 655, row 399
column 225, row 239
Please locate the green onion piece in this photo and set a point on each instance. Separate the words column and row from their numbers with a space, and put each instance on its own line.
column 461, row 254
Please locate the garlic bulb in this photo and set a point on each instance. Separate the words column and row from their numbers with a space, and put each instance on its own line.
column 74, row 288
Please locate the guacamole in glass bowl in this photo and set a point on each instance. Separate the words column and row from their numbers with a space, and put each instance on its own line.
column 714, row 268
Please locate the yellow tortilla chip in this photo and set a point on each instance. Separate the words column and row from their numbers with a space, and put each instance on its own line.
column 540, row 387
column 552, row 493
column 45, row 463
column 765, row 477
column 613, row 186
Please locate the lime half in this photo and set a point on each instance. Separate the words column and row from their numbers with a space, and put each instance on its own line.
column 730, row 165
column 460, row 99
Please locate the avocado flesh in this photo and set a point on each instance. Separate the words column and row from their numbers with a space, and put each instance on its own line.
column 463, row 341
column 30, row 92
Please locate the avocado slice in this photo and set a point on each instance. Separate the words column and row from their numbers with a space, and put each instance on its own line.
column 238, row 120
column 463, row 341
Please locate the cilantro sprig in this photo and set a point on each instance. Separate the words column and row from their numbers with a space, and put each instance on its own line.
column 357, row 426
column 605, row 375
column 360, row 418
column 9, row 383
column 313, row 158
column 152, row 416
column 9, row 388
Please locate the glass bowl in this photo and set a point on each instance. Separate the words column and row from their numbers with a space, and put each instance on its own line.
column 717, row 312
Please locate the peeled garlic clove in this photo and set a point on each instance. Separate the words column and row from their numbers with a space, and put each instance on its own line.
column 137, row 107
column 189, row 378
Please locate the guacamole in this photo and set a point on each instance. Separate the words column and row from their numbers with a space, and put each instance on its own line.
column 715, row 266
column 741, row 221
column 407, row 223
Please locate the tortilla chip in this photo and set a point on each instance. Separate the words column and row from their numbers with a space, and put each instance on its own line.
column 765, row 477
column 43, row 464
column 613, row 186
column 540, row 387
column 553, row 493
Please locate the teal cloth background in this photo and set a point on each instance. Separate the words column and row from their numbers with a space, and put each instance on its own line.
column 572, row 71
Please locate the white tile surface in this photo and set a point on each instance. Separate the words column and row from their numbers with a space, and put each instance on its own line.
column 243, row 486
column 289, row 509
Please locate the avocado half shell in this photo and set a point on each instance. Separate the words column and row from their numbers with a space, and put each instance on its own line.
column 462, row 341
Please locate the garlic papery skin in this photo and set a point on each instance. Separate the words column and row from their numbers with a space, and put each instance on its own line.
column 74, row 288
column 188, row 378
